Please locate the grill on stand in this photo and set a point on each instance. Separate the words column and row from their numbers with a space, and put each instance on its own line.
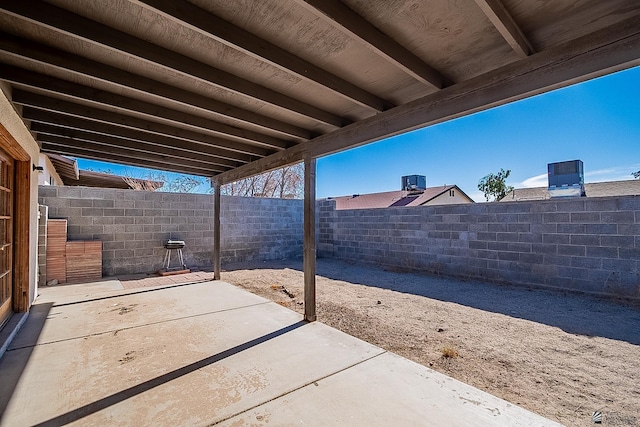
column 173, row 245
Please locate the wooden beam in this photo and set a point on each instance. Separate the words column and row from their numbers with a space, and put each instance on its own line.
column 42, row 13
column 216, row 229
column 40, row 118
column 97, row 149
column 309, row 250
column 11, row 146
column 54, row 105
column 82, row 139
column 21, row 243
column 231, row 137
column 224, row 32
column 55, row 58
column 383, row 45
column 608, row 50
column 506, row 26
column 63, row 149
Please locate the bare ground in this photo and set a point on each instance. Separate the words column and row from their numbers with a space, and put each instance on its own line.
column 560, row 355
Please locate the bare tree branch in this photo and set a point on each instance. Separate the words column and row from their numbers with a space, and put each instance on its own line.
column 284, row 183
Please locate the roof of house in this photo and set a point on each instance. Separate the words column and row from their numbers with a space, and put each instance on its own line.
column 595, row 189
column 68, row 170
column 392, row 198
column 105, row 180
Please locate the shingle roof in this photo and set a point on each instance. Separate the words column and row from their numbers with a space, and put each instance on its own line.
column 595, row 189
column 392, row 198
column 68, row 170
column 105, row 180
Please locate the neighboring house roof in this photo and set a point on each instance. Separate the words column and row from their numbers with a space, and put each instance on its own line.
column 68, row 170
column 105, row 180
column 596, row 189
column 393, row 198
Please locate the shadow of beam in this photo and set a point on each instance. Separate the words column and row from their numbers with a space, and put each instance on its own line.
column 135, row 291
column 123, row 395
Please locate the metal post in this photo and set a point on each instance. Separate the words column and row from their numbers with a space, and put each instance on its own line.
column 309, row 239
column 216, row 229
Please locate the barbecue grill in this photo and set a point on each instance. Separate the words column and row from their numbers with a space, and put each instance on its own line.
column 172, row 245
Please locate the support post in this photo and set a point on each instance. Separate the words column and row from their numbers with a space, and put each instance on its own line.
column 216, row 229
column 309, row 239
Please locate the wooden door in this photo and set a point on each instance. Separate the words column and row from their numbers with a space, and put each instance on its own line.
column 6, row 236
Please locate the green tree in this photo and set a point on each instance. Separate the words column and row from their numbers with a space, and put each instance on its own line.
column 494, row 186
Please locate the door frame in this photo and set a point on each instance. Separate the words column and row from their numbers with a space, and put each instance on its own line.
column 22, row 220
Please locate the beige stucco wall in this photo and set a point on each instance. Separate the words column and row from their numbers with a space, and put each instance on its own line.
column 49, row 172
column 446, row 199
column 12, row 121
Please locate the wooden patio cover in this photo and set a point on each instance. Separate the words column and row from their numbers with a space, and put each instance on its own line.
column 230, row 89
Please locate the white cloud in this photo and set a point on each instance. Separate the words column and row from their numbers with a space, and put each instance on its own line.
column 477, row 196
column 534, row 181
column 617, row 173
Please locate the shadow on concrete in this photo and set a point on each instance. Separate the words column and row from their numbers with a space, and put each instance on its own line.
column 133, row 291
column 15, row 360
column 123, row 395
column 574, row 313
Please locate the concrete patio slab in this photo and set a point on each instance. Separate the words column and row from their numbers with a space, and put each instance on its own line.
column 107, row 284
column 73, row 316
column 210, row 353
column 389, row 390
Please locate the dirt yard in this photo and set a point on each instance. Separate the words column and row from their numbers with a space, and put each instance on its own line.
column 560, row 355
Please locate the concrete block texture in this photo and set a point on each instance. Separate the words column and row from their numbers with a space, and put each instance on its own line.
column 587, row 245
column 133, row 226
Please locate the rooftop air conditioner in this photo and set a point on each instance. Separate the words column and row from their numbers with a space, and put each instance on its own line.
column 414, row 183
column 566, row 179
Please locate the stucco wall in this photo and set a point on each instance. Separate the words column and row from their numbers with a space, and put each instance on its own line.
column 133, row 226
column 589, row 245
column 12, row 121
column 451, row 197
column 48, row 176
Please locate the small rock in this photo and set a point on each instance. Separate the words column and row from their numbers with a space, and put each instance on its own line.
column 379, row 302
column 440, row 329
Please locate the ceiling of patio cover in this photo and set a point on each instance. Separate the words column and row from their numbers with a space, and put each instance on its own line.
column 233, row 88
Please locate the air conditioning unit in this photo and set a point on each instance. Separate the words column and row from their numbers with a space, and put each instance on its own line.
column 414, row 183
column 566, row 179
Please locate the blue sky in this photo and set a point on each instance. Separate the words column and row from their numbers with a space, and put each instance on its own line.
column 597, row 122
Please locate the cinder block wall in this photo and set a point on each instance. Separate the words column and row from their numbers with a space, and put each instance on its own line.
column 590, row 245
column 133, row 225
